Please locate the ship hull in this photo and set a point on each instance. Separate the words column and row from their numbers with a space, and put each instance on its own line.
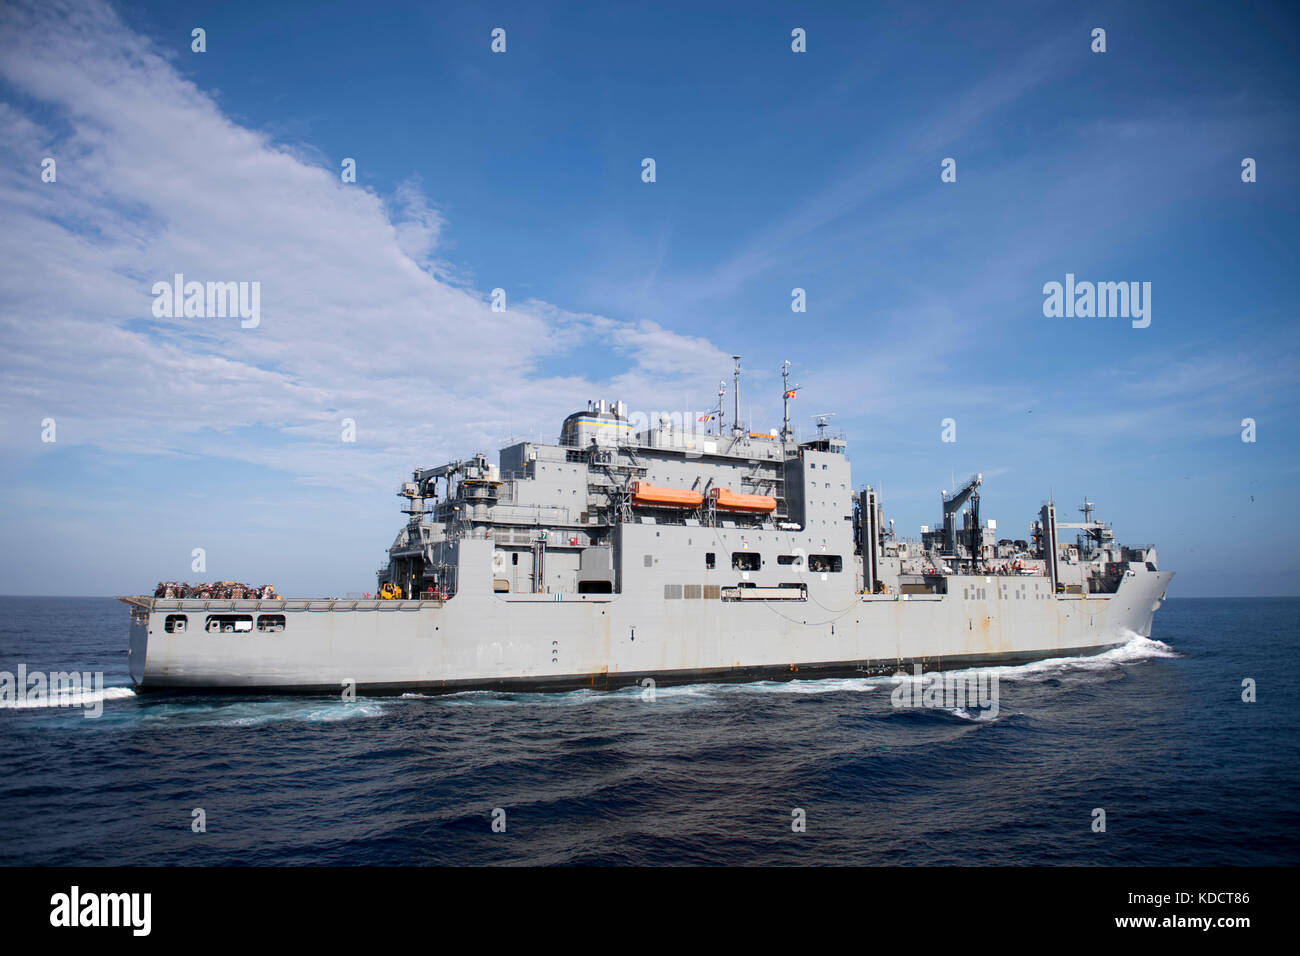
column 606, row 681
column 556, row 642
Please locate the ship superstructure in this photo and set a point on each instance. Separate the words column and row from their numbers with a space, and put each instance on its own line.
column 629, row 550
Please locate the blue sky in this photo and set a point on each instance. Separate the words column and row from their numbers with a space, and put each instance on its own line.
column 521, row 170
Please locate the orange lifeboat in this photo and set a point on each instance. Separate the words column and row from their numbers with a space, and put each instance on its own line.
column 644, row 493
column 733, row 501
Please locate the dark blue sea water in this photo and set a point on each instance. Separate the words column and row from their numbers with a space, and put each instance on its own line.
column 1156, row 734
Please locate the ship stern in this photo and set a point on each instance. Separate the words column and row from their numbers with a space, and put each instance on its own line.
column 137, row 645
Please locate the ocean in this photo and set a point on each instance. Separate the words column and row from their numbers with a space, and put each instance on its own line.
column 1155, row 734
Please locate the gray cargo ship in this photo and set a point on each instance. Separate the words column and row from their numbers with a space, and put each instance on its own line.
column 621, row 553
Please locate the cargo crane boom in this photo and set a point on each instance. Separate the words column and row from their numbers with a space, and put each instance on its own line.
column 952, row 504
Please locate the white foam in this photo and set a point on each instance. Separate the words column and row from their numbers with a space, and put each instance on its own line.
column 70, row 698
column 1136, row 650
column 824, row 685
column 983, row 716
column 309, row 715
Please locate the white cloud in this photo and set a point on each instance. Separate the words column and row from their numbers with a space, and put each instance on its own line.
column 359, row 316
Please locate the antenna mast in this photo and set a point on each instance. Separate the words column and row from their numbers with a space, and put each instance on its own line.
column 787, row 393
column 735, row 424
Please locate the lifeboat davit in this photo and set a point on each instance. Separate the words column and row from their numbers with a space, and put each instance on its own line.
column 646, row 494
column 726, row 500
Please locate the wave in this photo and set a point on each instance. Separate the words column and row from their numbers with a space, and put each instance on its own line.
column 984, row 717
column 1136, row 650
column 701, row 691
column 253, row 713
column 70, row 698
column 307, row 715
column 819, row 685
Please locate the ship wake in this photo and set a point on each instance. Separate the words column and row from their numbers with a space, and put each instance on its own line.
column 1136, row 650
column 76, row 698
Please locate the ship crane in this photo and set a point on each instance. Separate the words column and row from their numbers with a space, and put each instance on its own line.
column 952, row 504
